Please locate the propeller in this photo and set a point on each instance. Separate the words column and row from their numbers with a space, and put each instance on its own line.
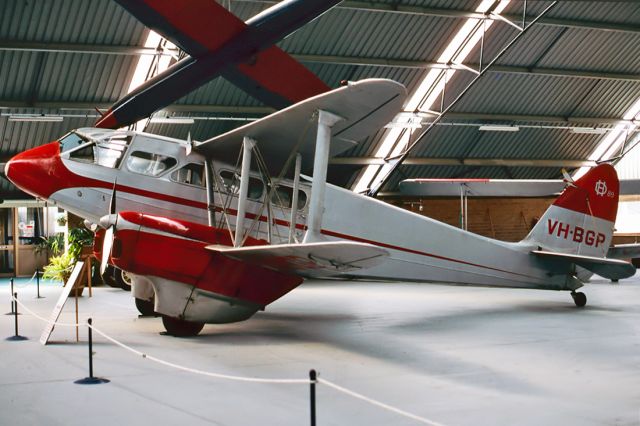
column 568, row 179
column 189, row 145
column 109, row 222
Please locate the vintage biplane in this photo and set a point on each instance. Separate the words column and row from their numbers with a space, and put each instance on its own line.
column 214, row 231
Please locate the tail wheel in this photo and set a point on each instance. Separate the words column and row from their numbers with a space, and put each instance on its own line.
column 145, row 307
column 580, row 299
column 181, row 328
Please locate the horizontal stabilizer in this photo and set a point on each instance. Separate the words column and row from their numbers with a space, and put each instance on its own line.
column 613, row 269
column 624, row 251
column 308, row 260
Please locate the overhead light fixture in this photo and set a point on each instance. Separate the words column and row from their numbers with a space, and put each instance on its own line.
column 398, row 125
column 498, row 128
column 41, row 118
column 588, row 130
column 172, row 120
column 428, row 91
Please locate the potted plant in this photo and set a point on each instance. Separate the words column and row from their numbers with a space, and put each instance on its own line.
column 61, row 265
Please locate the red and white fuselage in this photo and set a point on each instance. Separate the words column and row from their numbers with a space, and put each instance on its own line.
column 168, row 208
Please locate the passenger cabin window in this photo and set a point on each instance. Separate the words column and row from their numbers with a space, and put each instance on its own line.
column 147, row 163
column 231, row 182
column 191, row 174
column 106, row 152
column 283, row 197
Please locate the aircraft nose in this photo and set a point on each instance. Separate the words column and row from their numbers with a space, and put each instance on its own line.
column 34, row 171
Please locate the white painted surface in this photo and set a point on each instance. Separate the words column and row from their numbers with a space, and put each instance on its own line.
column 456, row 355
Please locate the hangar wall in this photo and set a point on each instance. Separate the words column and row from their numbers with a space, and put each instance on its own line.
column 506, row 219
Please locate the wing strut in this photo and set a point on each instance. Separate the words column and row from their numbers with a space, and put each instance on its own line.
column 326, row 120
column 294, row 200
column 247, row 148
column 208, row 175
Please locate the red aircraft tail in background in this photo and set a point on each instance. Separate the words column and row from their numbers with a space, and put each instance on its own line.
column 219, row 43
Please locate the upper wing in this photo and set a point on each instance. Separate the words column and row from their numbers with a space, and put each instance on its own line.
column 308, row 260
column 365, row 107
column 613, row 269
column 220, row 43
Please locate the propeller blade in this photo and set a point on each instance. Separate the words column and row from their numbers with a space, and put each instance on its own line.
column 189, row 146
column 107, row 244
column 567, row 178
column 112, row 202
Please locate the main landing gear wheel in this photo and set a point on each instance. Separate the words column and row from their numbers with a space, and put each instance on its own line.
column 181, row 328
column 122, row 279
column 580, row 299
column 145, row 307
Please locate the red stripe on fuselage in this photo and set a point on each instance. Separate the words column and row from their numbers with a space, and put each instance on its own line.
column 57, row 177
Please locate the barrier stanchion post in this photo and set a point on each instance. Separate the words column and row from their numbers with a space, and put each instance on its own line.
column 91, row 380
column 12, row 309
column 38, row 283
column 16, row 337
column 312, row 395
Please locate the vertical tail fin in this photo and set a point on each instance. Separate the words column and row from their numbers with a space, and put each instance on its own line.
column 581, row 220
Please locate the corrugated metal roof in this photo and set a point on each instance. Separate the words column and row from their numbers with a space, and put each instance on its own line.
column 29, row 77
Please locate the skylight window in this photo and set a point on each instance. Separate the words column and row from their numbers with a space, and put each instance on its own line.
column 428, row 92
column 148, row 68
column 612, row 143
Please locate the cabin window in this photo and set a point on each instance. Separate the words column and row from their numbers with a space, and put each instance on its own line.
column 147, row 163
column 84, row 154
column 71, row 141
column 283, row 197
column 231, row 182
column 191, row 174
column 106, row 153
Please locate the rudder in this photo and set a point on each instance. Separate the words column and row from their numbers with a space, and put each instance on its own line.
column 581, row 220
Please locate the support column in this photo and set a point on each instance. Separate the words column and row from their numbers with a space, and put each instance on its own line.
column 294, row 198
column 247, row 148
column 326, row 120
column 208, row 174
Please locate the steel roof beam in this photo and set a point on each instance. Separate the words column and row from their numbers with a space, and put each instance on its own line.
column 488, row 162
column 507, row 69
column 461, row 14
column 65, row 105
column 260, row 110
column 103, row 49
column 535, row 118
column 11, row 45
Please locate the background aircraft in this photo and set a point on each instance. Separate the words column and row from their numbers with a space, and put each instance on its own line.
column 220, row 44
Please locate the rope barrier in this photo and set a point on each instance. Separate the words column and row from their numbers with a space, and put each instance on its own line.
column 234, row 377
column 28, row 282
column 48, row 321
column 378, row 403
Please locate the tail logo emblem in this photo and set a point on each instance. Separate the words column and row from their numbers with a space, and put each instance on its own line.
column 601, row 188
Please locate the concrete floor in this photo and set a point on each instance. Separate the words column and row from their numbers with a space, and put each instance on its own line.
column 456, row 355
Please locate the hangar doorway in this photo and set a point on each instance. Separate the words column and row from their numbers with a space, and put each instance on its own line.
column 7, row 246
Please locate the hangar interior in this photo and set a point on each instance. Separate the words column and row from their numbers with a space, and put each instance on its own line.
column 563, row 95
column 498, row 89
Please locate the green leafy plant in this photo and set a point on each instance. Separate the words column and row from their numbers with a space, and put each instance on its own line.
column 61, row 264
column 79, row 237
column 53, row 245
column 59, row 267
